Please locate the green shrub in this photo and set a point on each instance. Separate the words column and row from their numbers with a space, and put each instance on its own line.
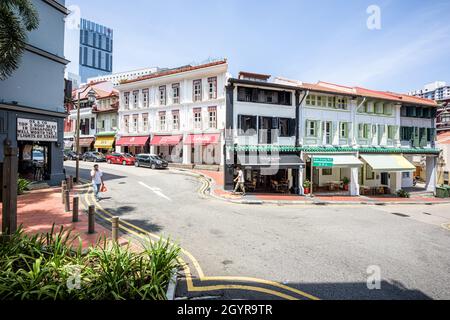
column 49, row 267
column 403, row 194
column 22, row 185
column 307, row 184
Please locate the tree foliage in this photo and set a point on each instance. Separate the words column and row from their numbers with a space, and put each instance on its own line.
column 17, row 17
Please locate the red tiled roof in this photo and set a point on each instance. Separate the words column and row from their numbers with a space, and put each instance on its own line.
column 254, row 75
column 175, row 71
column 100, row 93
column 363, row 92
column 443, row 137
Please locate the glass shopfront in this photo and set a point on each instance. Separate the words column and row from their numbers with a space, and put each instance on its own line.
column 271, row 173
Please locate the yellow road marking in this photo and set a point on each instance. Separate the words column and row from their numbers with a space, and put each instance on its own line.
column 199, row 270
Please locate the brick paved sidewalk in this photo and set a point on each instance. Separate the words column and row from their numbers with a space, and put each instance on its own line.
column 217, row 190
column 38, row 210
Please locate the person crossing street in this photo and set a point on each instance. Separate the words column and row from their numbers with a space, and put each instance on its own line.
column 240, row 182
column 97, row 181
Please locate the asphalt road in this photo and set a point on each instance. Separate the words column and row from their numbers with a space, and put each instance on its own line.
column 323, row 251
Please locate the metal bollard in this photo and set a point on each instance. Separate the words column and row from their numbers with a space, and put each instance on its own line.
column 71, row 183
column 115, row 229
column 63, row 191
column 67, row 200
column 75, row 207
column 91, row 220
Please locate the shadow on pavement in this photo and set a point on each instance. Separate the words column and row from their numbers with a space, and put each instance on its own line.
column 123, row 211
column 86, row 174
column 322, row 291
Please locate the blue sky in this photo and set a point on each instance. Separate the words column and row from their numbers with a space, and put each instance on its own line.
column 306, row 40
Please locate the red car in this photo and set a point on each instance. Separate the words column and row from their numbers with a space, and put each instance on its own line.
column 121, row 158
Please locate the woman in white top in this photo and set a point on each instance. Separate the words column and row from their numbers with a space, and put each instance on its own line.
column 97, row 180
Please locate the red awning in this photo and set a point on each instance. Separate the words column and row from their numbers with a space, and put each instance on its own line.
column 166, row 140
column 203, row 139
column 132, row 141
column 86, row 142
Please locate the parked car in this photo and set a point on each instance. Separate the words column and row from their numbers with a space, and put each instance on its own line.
column 150, row 161
column 121, row 158
column 94, row 156
column 38, row 156
column 71, row 155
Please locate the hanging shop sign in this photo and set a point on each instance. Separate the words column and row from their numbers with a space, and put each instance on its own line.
column 37, row 130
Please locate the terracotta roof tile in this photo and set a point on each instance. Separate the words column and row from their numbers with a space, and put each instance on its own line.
column 175, row 71
column 363, row 92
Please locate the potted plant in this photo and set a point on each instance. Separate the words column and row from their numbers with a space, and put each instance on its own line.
column 346, row 182
column 307, row 186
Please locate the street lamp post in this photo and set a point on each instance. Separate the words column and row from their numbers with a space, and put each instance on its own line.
column 91, row 99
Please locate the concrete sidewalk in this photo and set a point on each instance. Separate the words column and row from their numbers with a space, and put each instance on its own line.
column 38, row 210
column 216, row 181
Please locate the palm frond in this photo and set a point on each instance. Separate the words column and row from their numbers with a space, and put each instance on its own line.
column 12, row 43
column 16, row 18
column 26, row 11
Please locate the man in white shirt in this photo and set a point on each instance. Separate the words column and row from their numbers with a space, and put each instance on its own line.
column 240, row 180
column 97, row 180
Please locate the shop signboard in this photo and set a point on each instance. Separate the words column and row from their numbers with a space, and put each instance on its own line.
column 37, row 130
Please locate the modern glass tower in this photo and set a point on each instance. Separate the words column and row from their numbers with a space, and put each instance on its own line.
column 96, row 50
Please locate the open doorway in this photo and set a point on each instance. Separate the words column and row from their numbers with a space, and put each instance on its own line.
column 34, row 160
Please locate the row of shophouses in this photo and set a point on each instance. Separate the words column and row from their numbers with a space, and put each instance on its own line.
column 273, row 128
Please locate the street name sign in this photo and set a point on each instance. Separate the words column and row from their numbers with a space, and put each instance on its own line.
column 323, row 162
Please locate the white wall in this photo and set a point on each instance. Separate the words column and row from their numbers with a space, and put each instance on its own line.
column 186, row 105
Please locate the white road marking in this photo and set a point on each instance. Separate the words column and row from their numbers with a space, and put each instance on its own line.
column 157, row 191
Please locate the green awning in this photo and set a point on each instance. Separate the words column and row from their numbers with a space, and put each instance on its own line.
column 106, row 134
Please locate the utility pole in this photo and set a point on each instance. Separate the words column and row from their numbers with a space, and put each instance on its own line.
column 91, row 101
column 77, row 167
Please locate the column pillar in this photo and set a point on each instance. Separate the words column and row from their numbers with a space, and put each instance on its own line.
column 301, row 190
column 395, row 182
column 431, row 167
column 354, row 183
column 186, row 151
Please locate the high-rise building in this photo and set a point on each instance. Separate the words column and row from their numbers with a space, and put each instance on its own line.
column 89, row 47
column 437, row 90
column 96, row 50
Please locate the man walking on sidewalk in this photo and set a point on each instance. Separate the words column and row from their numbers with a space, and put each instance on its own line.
column 240, row 182
column 97, row 181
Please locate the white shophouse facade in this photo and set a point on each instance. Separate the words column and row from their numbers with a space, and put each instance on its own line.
column 178, row 113
column 370, row 136
column 369, row 126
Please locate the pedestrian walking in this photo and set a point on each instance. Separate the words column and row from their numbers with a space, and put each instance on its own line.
column 240, row 182
column 97, row 181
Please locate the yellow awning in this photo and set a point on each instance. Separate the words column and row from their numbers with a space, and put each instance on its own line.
column 104, row 142
column 388, row 162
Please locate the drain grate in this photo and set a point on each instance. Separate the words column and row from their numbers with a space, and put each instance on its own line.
column 400, row 214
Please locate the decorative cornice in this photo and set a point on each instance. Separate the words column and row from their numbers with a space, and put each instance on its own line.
column 46, row 54
column 318, row 149
column 20, row 108
column 57, row 6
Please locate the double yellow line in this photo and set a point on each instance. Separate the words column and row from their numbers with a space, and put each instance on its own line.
column 141, row 233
